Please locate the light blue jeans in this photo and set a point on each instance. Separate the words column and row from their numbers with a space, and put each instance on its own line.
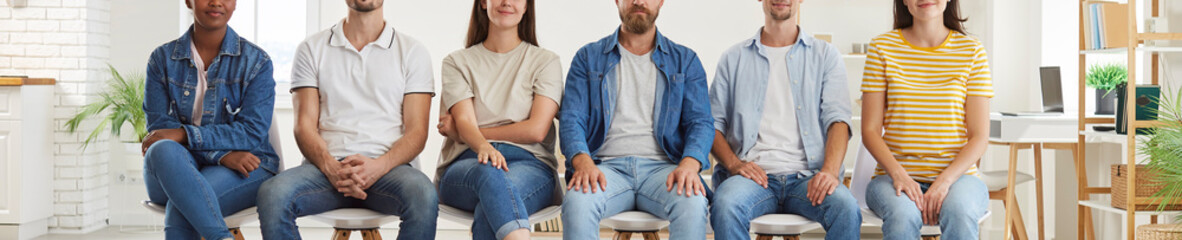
column 966, row 203
column 738, row 200
column 500, row 201
column 634, row 184
column 195, row 196
column 304, row 190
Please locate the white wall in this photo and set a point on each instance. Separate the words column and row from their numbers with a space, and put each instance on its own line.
column 66, row 40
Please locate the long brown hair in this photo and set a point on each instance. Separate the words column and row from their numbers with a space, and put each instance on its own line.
column 478, row 25
column 952, row 20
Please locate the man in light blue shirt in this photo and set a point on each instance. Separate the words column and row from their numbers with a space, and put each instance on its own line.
column 781, row 115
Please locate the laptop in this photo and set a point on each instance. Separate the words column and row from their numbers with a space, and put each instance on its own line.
column 1052, row 94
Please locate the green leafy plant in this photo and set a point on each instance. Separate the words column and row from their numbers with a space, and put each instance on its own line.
column 1164, row 148
column 1106, row 76
column 124, row 97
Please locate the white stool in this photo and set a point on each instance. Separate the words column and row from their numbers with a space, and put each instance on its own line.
column 465, row 217
column 346, row 220
column 627, row 223
column 788, row 226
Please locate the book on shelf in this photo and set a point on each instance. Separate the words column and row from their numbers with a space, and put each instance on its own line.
column 1105, row 24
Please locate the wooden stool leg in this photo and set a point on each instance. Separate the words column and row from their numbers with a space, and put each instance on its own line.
column 1019, row 228
column 1038, row 188
column 763, row 237
column 371, row 234
column 931, row 237
column 237, row 234
column 793, row 237
column 651, row 236
column 340, row 234
column 623, row 235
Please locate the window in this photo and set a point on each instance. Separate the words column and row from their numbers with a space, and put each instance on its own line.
column 278, row 26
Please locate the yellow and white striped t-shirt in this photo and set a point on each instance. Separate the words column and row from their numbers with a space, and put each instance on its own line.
column 926, row 90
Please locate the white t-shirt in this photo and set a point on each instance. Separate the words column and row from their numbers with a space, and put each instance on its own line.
column 199, row 99
column 631, row 129
column 361, row 92
column 778, row 149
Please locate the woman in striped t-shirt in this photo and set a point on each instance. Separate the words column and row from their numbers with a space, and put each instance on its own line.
column 926, row 94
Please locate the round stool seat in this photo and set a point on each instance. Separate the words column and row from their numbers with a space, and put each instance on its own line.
column 782, row 224
column 635, row 221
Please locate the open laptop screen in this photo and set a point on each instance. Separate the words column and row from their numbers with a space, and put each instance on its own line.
column 1052, row 89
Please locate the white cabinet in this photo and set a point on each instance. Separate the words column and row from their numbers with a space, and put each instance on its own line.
column 26, row 157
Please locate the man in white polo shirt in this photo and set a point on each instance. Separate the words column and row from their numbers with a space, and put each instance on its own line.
column 362, row 94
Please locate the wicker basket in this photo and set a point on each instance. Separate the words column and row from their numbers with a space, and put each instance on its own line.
column 1145, row 188
column 1159, row 232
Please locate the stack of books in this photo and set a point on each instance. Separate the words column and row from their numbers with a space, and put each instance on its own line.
column 1106, row 24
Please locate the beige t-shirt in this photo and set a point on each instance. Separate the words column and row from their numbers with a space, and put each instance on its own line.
column 502, row 88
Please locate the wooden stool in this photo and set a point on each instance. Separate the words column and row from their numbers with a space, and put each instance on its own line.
column 346, row 220
column 787, row 226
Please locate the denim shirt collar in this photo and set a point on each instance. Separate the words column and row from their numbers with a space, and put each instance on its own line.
column 662, row 43
column 230, row 45
column 802, row 39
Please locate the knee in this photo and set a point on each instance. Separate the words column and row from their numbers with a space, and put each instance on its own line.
column 842, row 201
column 275, row 194
column 695, row 205
column 163, row 152
column 954, row 215
column 577, row 204
column 727, row 207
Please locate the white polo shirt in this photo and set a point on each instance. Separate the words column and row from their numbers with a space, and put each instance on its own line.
column 361, row 92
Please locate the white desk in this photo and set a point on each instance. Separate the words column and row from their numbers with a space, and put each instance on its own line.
column 1036, row 133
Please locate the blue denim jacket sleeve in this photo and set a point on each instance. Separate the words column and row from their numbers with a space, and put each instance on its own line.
column 157, row 110
column 572, row 114
column 248, row 128
column 696, row 118
column 835, row 103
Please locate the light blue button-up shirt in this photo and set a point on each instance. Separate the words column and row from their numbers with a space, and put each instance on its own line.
column 818, row 89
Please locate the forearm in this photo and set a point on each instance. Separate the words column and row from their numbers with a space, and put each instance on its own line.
column 722, row 151
column 835, row 147
column 315, row 149
column 968, row 156
column 405, row 149
column 882, row 154
column 524, row 132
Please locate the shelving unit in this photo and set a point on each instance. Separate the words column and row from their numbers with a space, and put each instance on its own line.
column 1128, row 141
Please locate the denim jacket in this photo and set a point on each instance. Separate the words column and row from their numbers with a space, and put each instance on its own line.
column 682, row 122
column 238, row 100
column 818, row 89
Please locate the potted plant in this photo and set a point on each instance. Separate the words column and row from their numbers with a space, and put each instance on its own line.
column 1164, row 148
column 1104, row 78
column 121, row 102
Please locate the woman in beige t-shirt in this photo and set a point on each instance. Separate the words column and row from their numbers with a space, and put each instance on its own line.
column 500, row 96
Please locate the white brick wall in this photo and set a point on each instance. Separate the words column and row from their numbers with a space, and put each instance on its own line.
column 67, row 40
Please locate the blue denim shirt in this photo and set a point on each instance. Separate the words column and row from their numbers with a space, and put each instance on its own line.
column 238, row 100
column 819, row 91
column 682, row 121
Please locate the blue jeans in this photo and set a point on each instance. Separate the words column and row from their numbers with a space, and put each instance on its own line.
column 634, row 183
column 196, row 196
column 967, row 201
column 500, row 201
column 738, row 200
column 304, row 190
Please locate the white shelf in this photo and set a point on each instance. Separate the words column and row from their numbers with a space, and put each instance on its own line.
column 1124, row 50
column 1108, row 136
column 1106, row 205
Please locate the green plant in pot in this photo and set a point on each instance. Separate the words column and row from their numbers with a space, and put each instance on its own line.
column 1164, row 148
column 1104, row 78
column 121, row 102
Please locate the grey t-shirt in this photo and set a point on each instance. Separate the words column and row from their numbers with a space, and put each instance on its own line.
column 631, row 129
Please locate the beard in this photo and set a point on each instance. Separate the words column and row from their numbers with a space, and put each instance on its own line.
column 365, row 7
column 634, row 23
column 781, row 16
